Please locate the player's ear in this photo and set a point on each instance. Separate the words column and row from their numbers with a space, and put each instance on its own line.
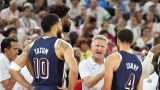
column 5, row 50
column 54, row 28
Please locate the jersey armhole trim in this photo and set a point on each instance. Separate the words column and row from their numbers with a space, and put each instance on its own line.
column 119, row 55
column 55, row 45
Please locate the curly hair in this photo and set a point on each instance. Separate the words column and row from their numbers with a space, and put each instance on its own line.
column 59, row 9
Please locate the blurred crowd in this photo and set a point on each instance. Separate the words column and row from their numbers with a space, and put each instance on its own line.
column 21, row 19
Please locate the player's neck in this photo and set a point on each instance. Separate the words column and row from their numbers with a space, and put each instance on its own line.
column 124, row 47
column 50, row 34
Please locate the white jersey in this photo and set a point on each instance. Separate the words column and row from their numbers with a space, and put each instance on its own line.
column 4, row 66
column 150, row 82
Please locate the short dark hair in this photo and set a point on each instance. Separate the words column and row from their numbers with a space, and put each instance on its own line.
column 9, row 30
column 59, row 9
column 48, row 21
column 26, row 7
column 125, row 36
column 92, row 19
column 6, row 43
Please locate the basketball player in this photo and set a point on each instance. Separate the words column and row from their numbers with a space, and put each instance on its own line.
column 123, row 70
column 152, row 61
column 46, row 55
column 63, row 12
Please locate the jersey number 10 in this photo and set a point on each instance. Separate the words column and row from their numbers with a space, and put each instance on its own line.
column 41, row 68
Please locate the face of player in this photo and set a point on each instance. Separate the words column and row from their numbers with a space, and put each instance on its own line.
column 99, row 48
column 66, row 23
column 12, row 52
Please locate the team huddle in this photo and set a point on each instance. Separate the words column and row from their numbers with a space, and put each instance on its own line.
column 46, row 56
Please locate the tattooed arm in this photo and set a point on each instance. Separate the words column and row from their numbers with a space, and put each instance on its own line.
column 68, row 55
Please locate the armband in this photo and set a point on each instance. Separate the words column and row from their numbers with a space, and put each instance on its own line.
column 15, row 67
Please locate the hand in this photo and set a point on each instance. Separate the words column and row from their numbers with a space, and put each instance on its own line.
column 62, row 88
column 144, row 53
column 155, row 49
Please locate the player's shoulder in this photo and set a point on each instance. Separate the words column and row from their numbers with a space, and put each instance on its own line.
column 62, row 41
column 62, row 44
column 114, row 56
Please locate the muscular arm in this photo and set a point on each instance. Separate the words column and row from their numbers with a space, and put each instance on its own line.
column 150, row 60
column 9, row 83
column 140, row 84
column 91, row 81
column 68, row 55
column 6, row 79
column 111, row 65
column 21, row 61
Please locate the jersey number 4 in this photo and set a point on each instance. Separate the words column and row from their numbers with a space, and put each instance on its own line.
column 130, row 83
column 41, row 68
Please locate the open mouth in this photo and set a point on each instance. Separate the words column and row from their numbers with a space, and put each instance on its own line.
column 99, row 52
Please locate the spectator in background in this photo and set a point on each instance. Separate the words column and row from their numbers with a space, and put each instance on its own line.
column 118, row 18
column 74, row 8
column 79, row 20
column 9, row 48
column 150, row 3
column 8, row 13
column 73, row 37
column 95, row 11
column 26, row 22
column 111, row 41
column 146, row 39
column 134, row 26
column 39, row 5
column 106, row 25
column 119, row 5
column 92, row 69
column 84, row 47
column 89, row 28
column 11, row 32
column 102, row 3
column 151, row 23
column 132, row 6
column 21, row 34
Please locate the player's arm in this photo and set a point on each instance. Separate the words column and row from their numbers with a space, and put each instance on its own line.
column 148, row 61
column 140, row 84
column 91, row 81
column 85, row 74
column 68, row 55
column 15, row 67
column 29, row 67
column 110, row 67
column 8, row 84
column 5, row 79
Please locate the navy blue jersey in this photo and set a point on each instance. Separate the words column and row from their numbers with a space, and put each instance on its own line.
column 127, row 76
column 47, row 68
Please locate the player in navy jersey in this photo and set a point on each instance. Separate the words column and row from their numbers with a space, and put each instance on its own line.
column 45, row 59
column 123, row 70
